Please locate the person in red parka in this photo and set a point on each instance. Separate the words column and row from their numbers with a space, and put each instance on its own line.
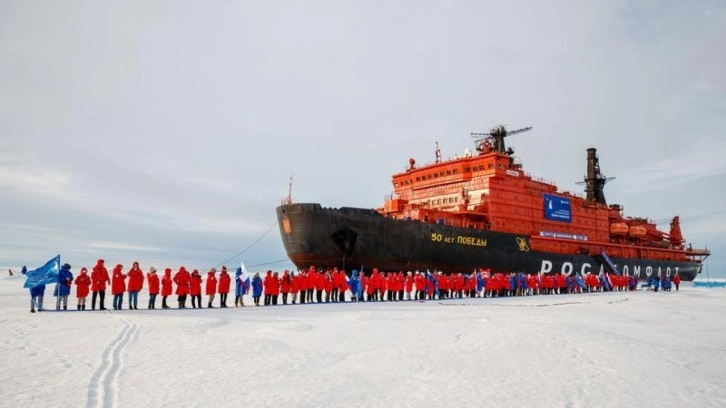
column 285, row 285
column 266, row 287
column 224, row 283
column 195, row 289
column 302, row 284
column 166, row 286
column 342, row 285
column 182, row 279
column 83, row 282
column 118, row 287
column 408, row 284
column 327, row 285
column 370, row 286
column 153, row 280
column 136, row 283
column 275, row 289
column 99, row 280
column 211, row 287
column 311, row 284
column 294, row 285
column 677, row 280
column 334, row 284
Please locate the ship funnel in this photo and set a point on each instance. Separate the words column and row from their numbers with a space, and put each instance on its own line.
column 595, row 180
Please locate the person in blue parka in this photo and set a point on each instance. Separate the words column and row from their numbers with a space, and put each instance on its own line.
column 354, row 285
column 63, row 287
column 256, row 288
column 581, row 283
column 36, row 295
column 604, row 283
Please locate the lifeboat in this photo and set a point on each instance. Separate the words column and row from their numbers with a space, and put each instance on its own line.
column 619, row 228
column 638, row 231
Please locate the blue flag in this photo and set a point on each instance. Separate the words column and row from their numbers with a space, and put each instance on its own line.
column 44, row 275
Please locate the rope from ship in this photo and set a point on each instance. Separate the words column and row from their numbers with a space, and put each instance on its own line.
column 271, row 263
column 250, row 246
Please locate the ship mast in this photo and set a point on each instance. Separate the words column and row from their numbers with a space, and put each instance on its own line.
column 289, row 191
column 496, row 137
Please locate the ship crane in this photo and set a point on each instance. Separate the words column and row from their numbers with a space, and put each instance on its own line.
column 494, row 140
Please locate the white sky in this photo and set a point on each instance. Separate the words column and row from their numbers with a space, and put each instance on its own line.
column 166, row 132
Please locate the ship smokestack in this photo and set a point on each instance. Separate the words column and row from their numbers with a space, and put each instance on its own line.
column 594, row 181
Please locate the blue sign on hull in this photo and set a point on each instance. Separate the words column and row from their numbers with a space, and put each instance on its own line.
column 557, row 208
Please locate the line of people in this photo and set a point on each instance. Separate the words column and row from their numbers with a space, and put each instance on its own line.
column 314, row 286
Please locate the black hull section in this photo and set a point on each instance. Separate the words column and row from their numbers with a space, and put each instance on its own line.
column 354, row 238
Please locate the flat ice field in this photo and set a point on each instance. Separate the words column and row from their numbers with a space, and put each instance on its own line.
column 609, row 349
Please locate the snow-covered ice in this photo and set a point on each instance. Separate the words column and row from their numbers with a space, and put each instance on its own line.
column 608, row 349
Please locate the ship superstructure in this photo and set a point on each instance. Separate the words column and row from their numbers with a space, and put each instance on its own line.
column 490, row 191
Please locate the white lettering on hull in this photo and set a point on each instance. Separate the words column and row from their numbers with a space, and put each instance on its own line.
column 569, row 268
column 566, row 268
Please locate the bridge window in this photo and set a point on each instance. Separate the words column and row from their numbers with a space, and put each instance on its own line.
column 467, row 169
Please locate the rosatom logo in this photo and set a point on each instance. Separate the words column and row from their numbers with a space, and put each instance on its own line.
column 523, row 247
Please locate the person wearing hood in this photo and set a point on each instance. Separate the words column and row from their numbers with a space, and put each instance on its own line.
column 333, row 285
column 83, row 283
column 256, row 288
column 342, row 285
column 118, row 287
column 354, row 284
column 63, row 287
column 302, row 285
column 99, row 280
column 211, row 288
column 267, row 286
column 275, row 289
column 136, row 283
column 285, row 286
column 408, row 284
column 36, row 295
column 195, row 289
column 240, row 288
column 153, row 280
column 224, row 283
column 166, row 287
column 182, row 278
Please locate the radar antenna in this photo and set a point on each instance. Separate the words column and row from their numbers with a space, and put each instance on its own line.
column 495, row 137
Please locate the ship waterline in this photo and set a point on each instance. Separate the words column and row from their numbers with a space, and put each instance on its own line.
column 354, row 238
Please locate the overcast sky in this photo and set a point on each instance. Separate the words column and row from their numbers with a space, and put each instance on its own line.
column 166, row 132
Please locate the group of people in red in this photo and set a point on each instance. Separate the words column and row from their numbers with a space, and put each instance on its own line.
column 319, row 286
column 188, row 285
